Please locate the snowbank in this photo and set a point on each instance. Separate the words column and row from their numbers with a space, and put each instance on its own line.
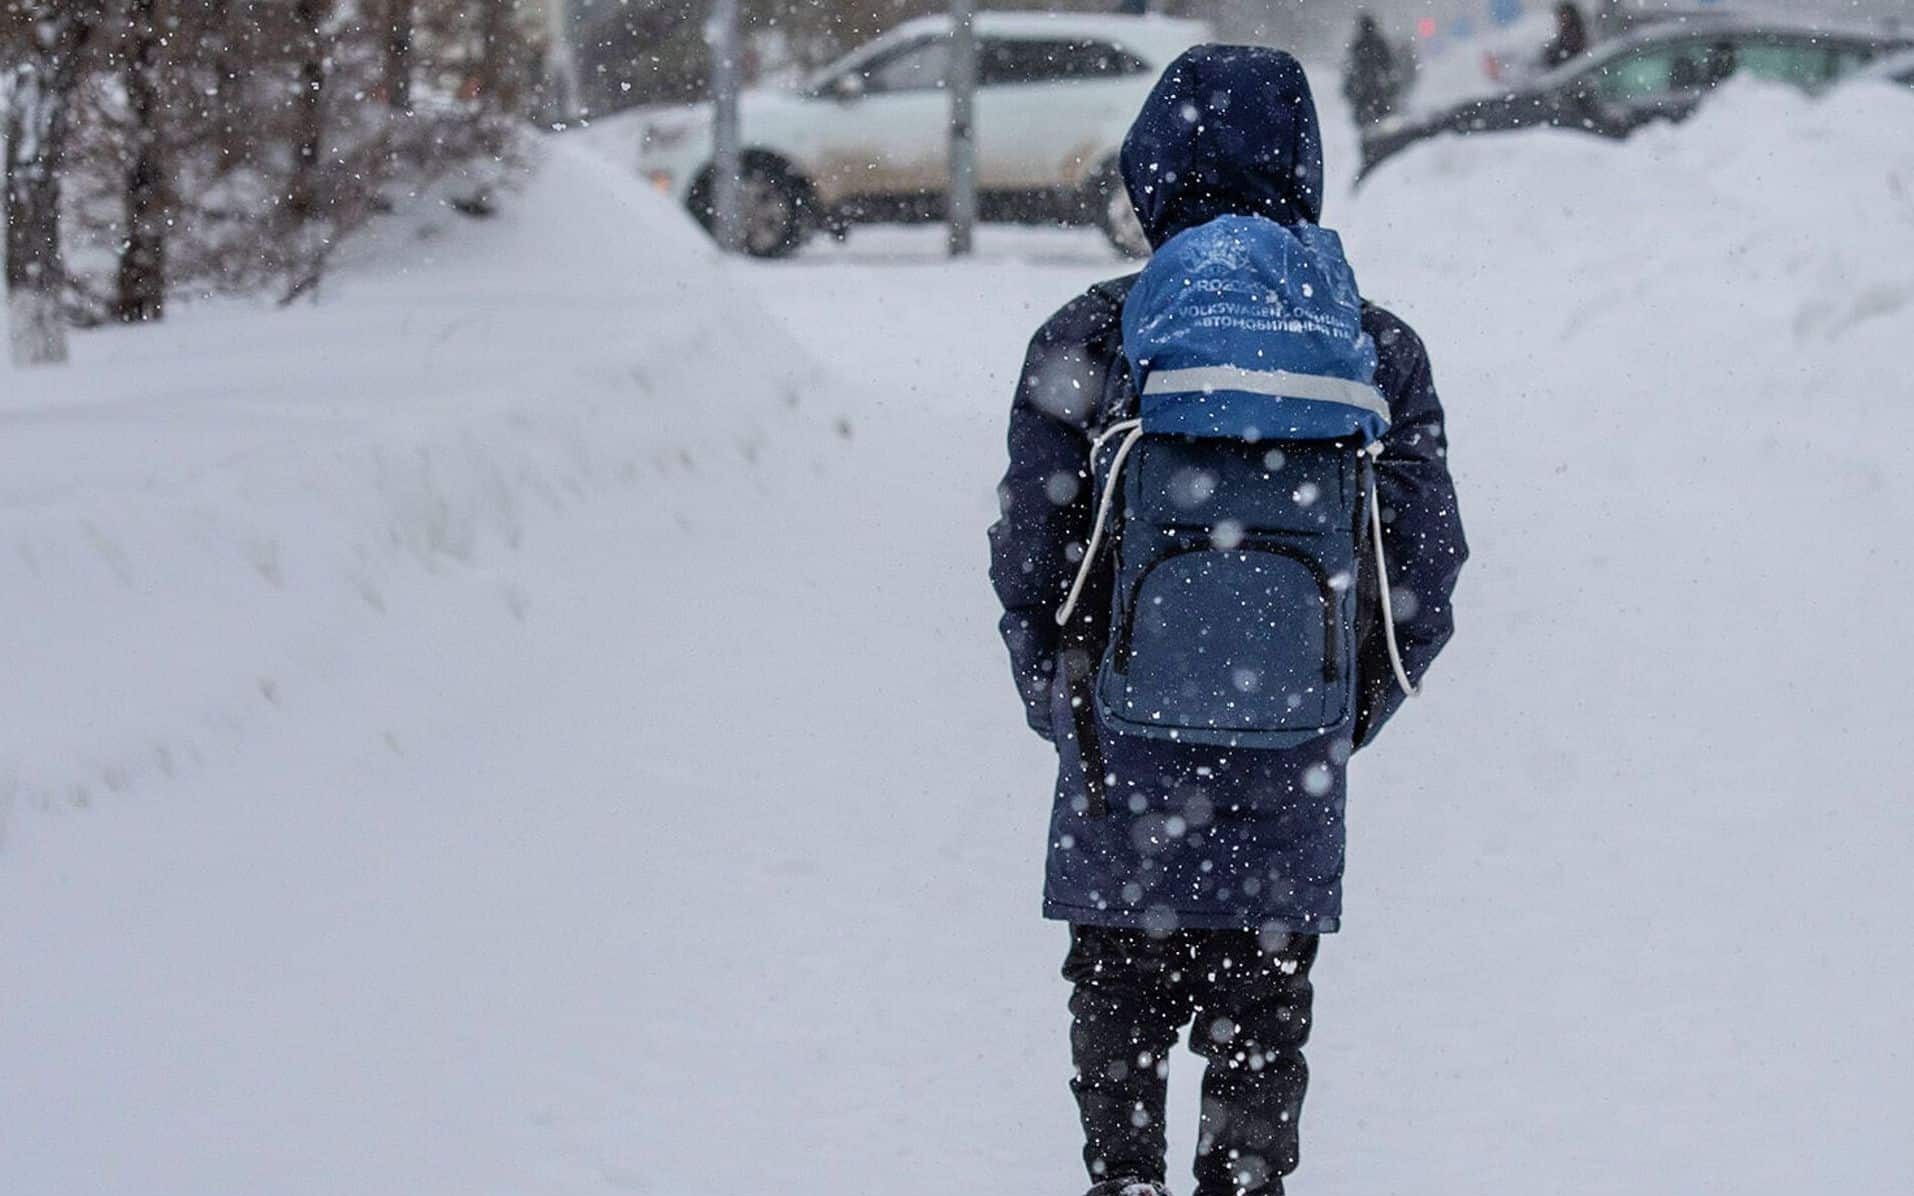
column 196, row 518
column 1646, row 836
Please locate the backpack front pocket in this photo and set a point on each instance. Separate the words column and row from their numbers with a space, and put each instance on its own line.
column 1229, row 642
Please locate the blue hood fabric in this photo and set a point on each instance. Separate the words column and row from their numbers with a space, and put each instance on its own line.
column 1228, row 130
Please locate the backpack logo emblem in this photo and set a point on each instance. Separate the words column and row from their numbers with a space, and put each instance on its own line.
column 1220, row 255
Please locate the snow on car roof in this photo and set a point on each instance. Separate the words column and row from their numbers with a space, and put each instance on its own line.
column 1156, row 39
column 1705, row 24
column 1163, row 36
column 1769, row 21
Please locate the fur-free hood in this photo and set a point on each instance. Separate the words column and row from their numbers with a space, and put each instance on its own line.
column 1226, row 130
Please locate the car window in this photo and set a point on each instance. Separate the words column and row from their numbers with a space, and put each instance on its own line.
column 1670, row 70
column 1799, row 64
column 1637, row 75
column 1844, row 60
column 1003, row 61
column 920, row 66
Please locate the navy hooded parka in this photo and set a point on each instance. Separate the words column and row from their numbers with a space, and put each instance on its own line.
column 1205, row 837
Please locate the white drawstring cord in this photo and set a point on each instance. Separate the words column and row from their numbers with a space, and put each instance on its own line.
column 1382, row 581
column 1130, row 430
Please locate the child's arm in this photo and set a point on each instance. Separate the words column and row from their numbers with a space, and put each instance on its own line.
column 1422, row 528
column 1045, row 493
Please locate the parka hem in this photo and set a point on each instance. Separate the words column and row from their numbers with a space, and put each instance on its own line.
column 1135, row 919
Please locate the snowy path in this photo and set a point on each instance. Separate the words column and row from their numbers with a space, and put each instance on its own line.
column 677, row 833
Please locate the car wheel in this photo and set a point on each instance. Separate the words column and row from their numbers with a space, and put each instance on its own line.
column 775, row 208
column 1110, row 201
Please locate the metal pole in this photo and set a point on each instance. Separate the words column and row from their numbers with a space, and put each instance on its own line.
column 561, row 59
column 962, row 84
column 727, row 224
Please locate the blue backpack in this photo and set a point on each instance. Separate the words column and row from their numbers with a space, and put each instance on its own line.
column 1235, row 499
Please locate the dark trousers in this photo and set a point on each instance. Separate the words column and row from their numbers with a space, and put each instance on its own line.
column 1248, row 999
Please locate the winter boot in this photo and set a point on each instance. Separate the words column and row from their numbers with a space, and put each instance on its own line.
column 1127, row 1187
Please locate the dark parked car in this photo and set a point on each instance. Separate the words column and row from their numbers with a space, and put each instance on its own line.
column 1898, row 69
column 1659, row 72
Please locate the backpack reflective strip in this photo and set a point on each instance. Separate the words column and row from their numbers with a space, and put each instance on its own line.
column 1280, row 384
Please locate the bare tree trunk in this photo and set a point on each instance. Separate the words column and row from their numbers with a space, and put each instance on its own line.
column 398, row 55
column 494, row 44
column 37, row 125
column 142, row 292
column 497, row 88
column 227, row 38
column 302, row 194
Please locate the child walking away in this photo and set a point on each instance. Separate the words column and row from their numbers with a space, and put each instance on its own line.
column 1228, row 543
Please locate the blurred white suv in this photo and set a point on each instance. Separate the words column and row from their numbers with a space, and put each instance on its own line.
column 867, row 139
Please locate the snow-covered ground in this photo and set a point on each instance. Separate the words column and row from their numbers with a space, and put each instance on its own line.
column 531, row 722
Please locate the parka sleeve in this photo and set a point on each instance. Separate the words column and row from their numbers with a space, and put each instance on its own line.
column 1044, row 499
column 1422, row 527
